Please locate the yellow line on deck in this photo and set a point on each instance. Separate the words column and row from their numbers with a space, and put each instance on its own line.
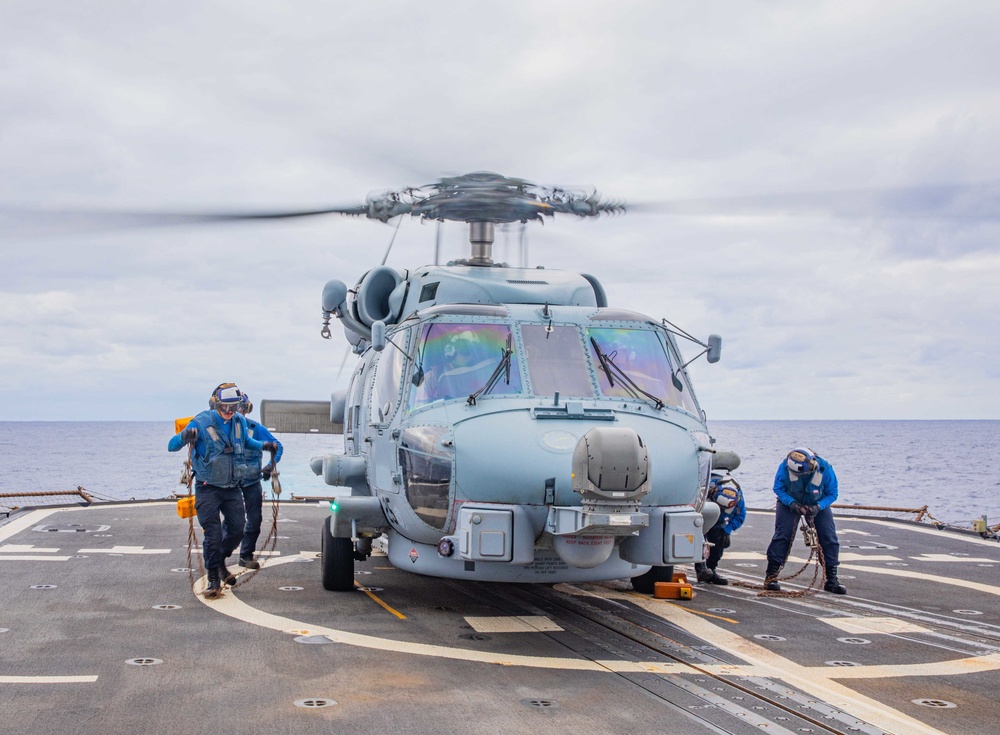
column 375, row 597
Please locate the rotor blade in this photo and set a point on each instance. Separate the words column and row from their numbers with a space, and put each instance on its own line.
column 960, row 202
column 54, row 219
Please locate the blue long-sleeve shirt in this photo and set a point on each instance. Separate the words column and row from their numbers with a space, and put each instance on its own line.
column 260, row 433
column 225, row 427
column 789, row 492
column 729, row 522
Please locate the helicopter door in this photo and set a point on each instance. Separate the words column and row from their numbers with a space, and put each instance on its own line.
column 384, row 402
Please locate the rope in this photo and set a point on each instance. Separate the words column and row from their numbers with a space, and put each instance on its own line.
column 811, row 539
column 272, row 536
column 187, row 478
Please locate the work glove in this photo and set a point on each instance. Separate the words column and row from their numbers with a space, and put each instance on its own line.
column 798, row 508
column 188, row 436
column 268, row 469
column 271, row 447
column 812, row 510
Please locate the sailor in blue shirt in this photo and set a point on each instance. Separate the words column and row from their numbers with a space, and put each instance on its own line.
column 221, row 438
column 253, row 493
column 806, row 487
column 726, row 492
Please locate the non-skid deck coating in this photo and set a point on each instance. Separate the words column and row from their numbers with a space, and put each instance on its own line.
column 101, row 633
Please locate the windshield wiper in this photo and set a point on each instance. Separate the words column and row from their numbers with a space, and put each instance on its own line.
column 502, row 368
column 611, row 368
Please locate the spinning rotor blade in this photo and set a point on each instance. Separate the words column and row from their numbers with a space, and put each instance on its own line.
column 960, row 202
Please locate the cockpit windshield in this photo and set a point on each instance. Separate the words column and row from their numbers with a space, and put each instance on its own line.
column 641, row 356
column 457, row 360
column 556, row 361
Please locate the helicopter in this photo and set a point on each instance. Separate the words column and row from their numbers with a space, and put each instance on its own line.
column 508, row 424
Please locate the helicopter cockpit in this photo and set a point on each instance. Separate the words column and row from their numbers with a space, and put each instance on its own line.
column 458, row 359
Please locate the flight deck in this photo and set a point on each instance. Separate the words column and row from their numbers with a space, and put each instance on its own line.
column 100, row 632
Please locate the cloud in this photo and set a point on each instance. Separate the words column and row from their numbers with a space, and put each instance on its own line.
column 831, row 172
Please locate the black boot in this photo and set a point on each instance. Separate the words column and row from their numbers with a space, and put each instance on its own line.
column 214, row 588
column 249, row 562
column 771, row 577
column 227, row 576
column 833, row 584
column 701, row 569
column 714, row 577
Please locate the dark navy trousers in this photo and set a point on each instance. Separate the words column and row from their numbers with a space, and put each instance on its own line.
column 221, row 536
column 253, row 501
column 784, row 528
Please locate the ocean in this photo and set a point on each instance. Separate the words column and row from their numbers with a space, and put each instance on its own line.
column 941, row 464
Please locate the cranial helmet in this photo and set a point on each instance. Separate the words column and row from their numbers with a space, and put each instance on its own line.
column 246, row 405
column 725, row 492
column 225, row 394
column 801, row 461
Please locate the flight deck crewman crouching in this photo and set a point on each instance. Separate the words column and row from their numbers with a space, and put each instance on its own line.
column 726, row 492
column 806, row 487
column 220, row 438
column 253, row 493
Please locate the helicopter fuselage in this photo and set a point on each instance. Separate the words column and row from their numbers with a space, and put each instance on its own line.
column 512, row 427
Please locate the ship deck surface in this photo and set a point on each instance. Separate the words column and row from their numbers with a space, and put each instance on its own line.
column 100, row 632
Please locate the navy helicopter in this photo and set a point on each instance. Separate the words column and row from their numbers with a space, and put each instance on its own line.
column 508, row 424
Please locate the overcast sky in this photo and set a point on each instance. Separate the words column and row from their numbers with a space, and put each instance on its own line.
column 880, row 304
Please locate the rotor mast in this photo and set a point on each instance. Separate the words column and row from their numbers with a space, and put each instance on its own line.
column 481, row 236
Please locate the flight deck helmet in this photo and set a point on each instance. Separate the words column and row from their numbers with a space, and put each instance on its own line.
column 225, row 396
column 725, row 492
column 246, row 405
column 801, row 461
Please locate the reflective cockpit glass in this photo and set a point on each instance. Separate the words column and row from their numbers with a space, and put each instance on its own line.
column 641, row 355
column 457, row 360
column 426, row 470
column 556, row 361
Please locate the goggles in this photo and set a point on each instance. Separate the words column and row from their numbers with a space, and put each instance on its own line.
column 226, row 407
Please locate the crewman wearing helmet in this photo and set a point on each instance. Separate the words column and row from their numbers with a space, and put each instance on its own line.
column 806, row 487
column 253, row 493
column 220, row 438
column 724, row 491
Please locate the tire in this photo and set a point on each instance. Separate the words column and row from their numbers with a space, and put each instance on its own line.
column 645, row 583
column 337, row 561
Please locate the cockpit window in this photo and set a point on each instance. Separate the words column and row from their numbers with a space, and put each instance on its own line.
column 640, row 355
column 457, row 360
column 556, row 361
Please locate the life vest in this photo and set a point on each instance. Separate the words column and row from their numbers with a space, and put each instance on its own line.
column 225, row 463
column 807, row 493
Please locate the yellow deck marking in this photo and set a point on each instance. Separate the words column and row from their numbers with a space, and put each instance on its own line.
column 375, row 597
column 47, row 679
column 817, row 681
column 874, row 625
column 693, row 612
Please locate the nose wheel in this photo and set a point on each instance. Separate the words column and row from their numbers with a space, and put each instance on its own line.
column 645, row 583
column 337, row 561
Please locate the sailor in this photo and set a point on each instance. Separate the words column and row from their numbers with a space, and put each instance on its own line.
column 253, row 494
column 724, row 491
column 806, row 487
column 220, row 438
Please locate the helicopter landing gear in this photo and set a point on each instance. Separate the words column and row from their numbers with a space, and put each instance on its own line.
column 337, row 561
column 645, row 583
